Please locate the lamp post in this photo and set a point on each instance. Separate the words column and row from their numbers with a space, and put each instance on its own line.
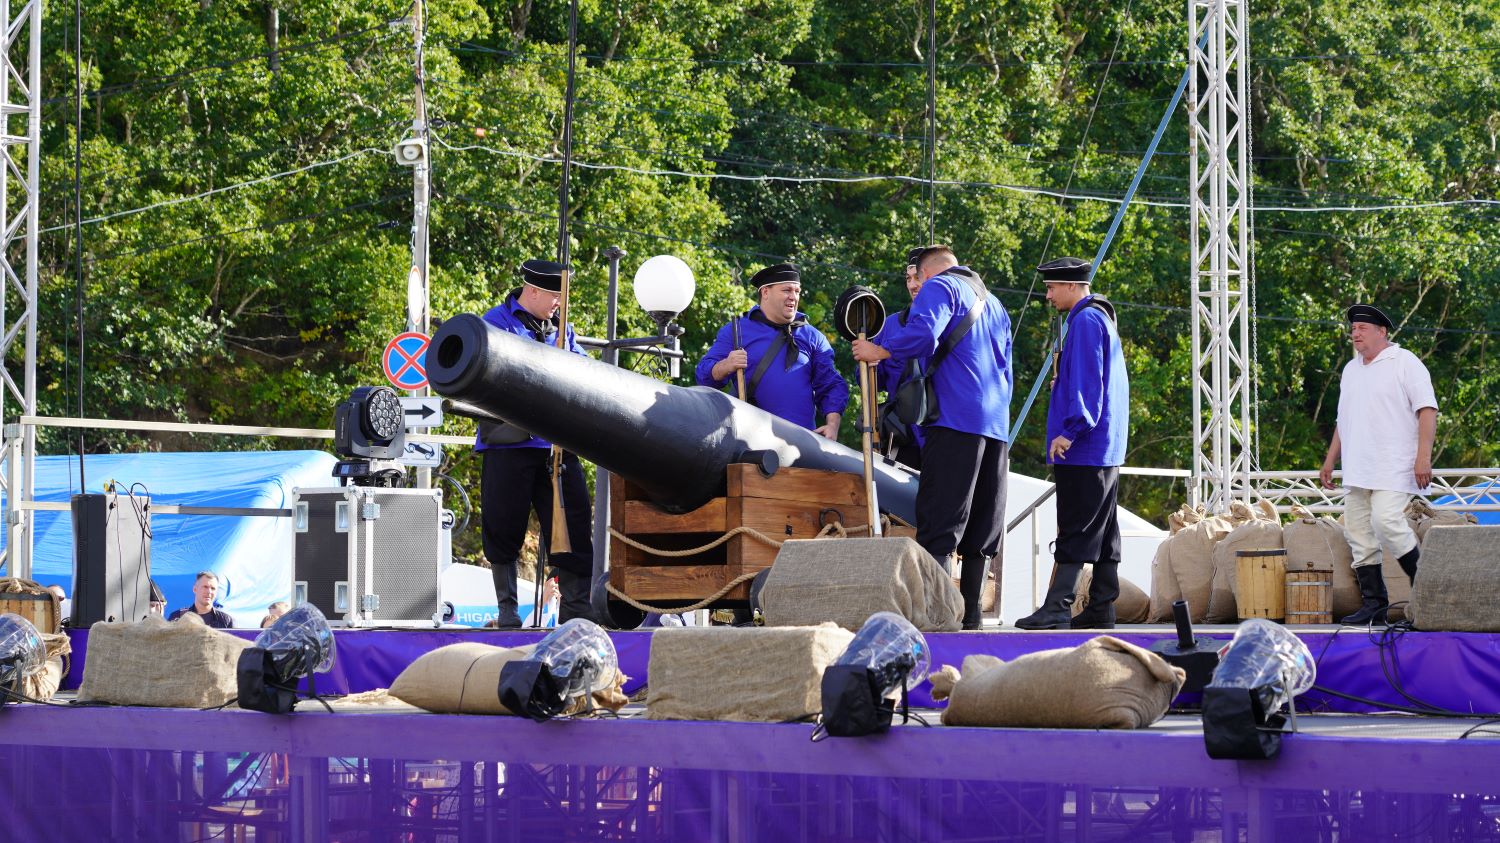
column 664, row 287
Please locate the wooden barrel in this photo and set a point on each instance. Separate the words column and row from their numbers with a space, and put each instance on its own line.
column 1309, row 597
column 31, row 602
column 1261, row 576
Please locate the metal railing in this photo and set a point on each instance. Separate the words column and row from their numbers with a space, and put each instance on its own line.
column 1469, row 490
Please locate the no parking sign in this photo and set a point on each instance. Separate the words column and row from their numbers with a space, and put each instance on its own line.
column 405, row 360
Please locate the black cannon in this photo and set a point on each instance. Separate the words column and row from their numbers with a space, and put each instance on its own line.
column 673, row 442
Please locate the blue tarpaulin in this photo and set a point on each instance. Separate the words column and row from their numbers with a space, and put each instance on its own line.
column 251, row 554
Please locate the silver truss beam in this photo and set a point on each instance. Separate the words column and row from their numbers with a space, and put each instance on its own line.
column 1218, row 115
column 20, row 178
column 1472, row 490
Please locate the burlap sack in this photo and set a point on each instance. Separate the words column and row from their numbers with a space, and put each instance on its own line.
column 1424, row 517
column 848, row 580
column 153, row 662
column 740, row 673
column 465, row 678
column 43, row 685
column 1253, row 534
column 1103, row 683
column 1132, row 606
column 1192, row 557
column 1457, row 589
column 1319, row 544
column 1164, row 590
column 1186, row 516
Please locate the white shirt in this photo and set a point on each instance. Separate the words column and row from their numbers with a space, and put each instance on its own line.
column 1378, row 404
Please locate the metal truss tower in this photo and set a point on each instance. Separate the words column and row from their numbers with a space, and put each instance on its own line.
column 20, row 167
column 1219, row 148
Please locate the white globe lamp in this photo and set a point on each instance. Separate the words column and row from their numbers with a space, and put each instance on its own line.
column 664, row 288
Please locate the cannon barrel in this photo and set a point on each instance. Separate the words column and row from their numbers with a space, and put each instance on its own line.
column 673, row 442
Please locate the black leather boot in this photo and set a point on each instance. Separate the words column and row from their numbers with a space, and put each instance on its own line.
column 1056, row 611
column 1104, row 589
column 1408, row 563
column 573, row 591
column 971, row 585
column 1376, row 601
column 504, row 575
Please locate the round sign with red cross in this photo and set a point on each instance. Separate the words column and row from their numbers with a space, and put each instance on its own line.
column 405, row 360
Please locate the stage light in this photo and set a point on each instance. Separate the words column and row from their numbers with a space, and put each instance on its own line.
column 300, row 643
column 370, row 424
column 573, row 661
column 1262, row 669
column 22, row 654
column 664, row 287
column 887, row 654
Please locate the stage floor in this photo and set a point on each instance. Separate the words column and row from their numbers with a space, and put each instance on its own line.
column 391, row 773
column 1446, row 670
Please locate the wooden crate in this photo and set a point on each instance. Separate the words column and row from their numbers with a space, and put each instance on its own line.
column 795, row 503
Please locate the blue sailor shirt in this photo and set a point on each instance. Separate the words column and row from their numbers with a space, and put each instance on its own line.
column 1091, row 397
column 891, row 373
column 973, row 383
column 804, row 394
column 508, row 317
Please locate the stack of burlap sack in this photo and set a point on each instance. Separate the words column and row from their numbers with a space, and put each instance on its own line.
column 1184, row 567
column 1198, row 563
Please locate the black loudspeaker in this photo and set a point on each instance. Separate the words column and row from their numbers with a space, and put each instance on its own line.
column 111, row 558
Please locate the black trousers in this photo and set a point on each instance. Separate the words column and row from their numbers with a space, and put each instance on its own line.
column 1088, row 528
column 516, row 481
column 961, row 494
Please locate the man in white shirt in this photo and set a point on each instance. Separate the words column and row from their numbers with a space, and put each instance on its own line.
column 1387, row 421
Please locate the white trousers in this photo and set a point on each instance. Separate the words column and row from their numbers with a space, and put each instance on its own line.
column 1374, row 518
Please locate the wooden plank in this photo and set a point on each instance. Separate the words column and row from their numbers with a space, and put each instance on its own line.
column 644, row 517
column 747, row 554
column 797, row 484
column 783, row 520
column 678, row 582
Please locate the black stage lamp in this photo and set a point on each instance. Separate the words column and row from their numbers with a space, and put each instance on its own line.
column 371, row 424
column 573, row 661
column 22, row 654
column 887, row 654
column 300, row 643
column 1261, row 670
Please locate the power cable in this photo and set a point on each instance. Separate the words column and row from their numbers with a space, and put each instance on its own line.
column 225, row 189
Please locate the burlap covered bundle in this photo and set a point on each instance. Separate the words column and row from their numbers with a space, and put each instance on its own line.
column 1319, row 544
column 153, row 662
column 728, row 673
column 1132, row 606
column 1254, row 532
column 1457, row 589
column 465, row 679
column 848, row 580
column 1103, row 683
column 41, row 686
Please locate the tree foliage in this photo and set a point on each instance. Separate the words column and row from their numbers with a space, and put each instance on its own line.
column 735, row 134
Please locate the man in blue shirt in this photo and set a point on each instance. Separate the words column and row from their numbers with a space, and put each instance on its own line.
column 904, row 441
column 516, row 475
column 788, row 363
column 1088, row 420
column 961, row 495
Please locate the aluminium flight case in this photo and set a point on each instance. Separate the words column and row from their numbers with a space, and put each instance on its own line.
column 369, row 556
